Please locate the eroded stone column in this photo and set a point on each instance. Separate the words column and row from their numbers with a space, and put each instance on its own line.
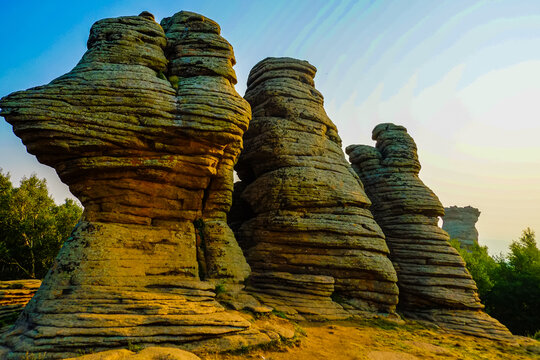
column 433, row 281
column 301, row 212
column 144, row 130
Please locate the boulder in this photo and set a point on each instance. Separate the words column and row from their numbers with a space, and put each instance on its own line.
column 144, row 130
column 300, row 212
column 433, row 281
column 459, row 223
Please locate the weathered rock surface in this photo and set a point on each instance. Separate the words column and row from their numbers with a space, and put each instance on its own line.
column 150, row 353
column 433, row 281
column 300, row 211
column 145, row 131
column 459, row 223
column 14, row 295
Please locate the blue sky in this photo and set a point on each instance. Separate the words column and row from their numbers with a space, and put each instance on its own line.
column 462, row 76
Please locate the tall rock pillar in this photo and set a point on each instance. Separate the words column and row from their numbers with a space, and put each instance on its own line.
column 301, row 214
column 433, row 281
column 144, row 130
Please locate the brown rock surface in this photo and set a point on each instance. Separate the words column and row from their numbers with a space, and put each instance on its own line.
column 433, row 281
column 14, row 295
column 459, row 223
column 145, row 131
column 300, row 211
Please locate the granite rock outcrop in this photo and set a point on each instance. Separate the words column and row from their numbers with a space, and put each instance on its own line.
column 459, row 223
column 433, row 281
column 300, row 212
column 145, row 131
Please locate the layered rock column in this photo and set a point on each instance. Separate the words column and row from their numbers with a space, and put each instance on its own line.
column 301, row 213
column 459, row 223
column 433, row 281
column 144, row 130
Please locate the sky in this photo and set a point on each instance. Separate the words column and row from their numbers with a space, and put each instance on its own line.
column 462, row 76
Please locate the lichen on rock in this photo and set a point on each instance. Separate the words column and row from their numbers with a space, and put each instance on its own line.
column 305, row 224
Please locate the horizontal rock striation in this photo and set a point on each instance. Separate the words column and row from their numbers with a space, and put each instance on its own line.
column 459, row 223
column 433, row 281
column 14, row 295
column 300, row 212
column 145, row 131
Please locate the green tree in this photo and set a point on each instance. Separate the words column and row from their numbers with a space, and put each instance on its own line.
column 515, row 297
column 509, row 285
column 32, row 227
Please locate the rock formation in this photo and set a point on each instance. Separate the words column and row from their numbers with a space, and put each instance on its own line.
column 300, row 211
column 14, row 295
column 145, row 131
column 459, row 223
column 433, row 281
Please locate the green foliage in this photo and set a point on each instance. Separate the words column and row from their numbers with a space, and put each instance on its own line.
column 34, row 356
column 514, row 298
column 32, row 227
column 220, row 288
column 509, row 285
column 134, row 347
column 161, row 75
column 174, row 81
column 280, row 314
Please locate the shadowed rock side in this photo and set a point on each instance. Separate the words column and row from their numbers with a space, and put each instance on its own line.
column 459, row 223
column 301, row 214
column 433, row 281
column 145, row 131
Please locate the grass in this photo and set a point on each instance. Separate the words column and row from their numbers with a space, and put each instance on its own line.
column 134, row 347
column 174, row 81
column 279, row 314
column 34, row 356
column 219, row 289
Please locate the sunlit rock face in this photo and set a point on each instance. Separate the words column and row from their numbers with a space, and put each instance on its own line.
column 145, row 131
column 433, row 281
column 459, row 223
column 300, row 212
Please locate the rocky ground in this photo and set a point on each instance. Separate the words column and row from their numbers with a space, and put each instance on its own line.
column 350, row 340
column 381, row 340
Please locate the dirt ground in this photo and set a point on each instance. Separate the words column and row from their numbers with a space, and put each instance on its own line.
column 381, row 340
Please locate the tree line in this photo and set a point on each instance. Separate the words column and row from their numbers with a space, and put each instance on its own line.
column 509, row 284
column 33, row 229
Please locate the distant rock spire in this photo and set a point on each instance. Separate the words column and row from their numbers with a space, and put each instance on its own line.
column 459, row 223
